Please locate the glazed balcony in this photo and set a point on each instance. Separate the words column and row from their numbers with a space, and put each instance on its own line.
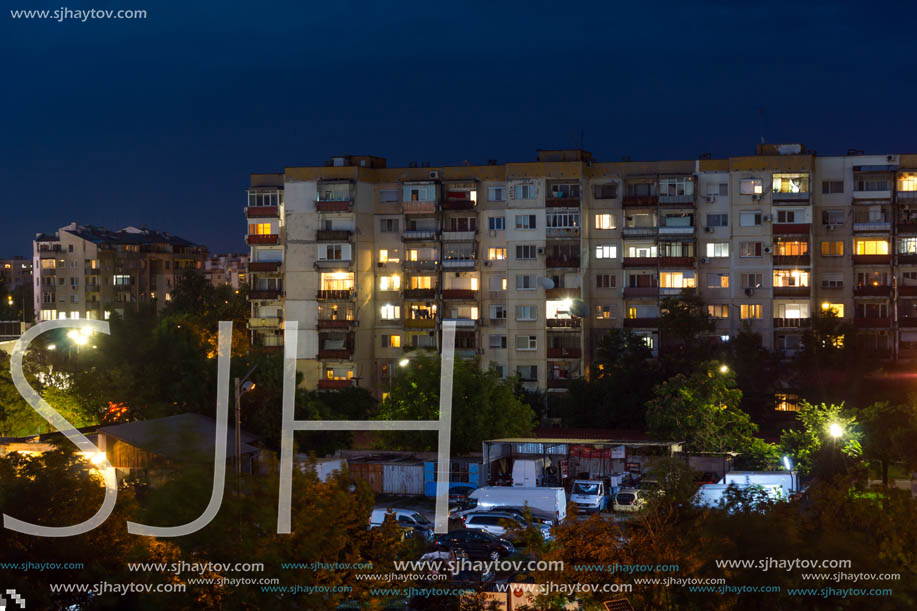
column 459, row 236
column 906, row 321
column 873, row 291
column 264, row 266
column 640, row 201
column 676, row 200
column 429, row 264
column 333, row 235
column 792, row 323
column 418, row 207
column 419, row 293
column 339, row 355
column 458, row 203
column 641, row 291
column 564, row 323
column 791, row 198
column 908, row 228
column 265, row 239
column 462, row 294
column 264, row 323
column 334, row 295
column 419, row 323
column 676, row 230
column 418, row 236
column 262, row 212
column 562, row 293
column 459, row 263
column 562, row 232
column 791, row 291
column 907, row 291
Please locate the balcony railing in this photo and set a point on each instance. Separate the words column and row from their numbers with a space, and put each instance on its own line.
column 270, row 238
column 791, row 323
column 262, row 294
column 680, row 200
column 791, row 197
column 676, row 230
column 452, row 203
column 907, row 227
column 561, row 202
column 564, row 323
column 418, row 207
column 791, row 260
column 910, row 195
column 559, row 382
column 639, row 232
column 641, row 291
column 335, row 295
column 264, row 266
column 419, row 323
column 872, row 259
column 641, row 323
column 419, row 293
column 641, row 261
column 564, row 352
column 459, row 236
column 418, row 236
column 906, row 321
column 640, row 201
column 334, row 323
column 334, row 205
column 907, row 291
column 872, row 291
column 561, row 261
column 262, row 212
column 458, row 263
column 791, row 228
column 425, row 264
column 333, row 235
column 333, row 263
column 562, row 293
column 264, row 323
column 791, row 291
column 677, row 261
column 675, row 291
column 344, row 354
column 872, row 226
column 334, row 384
column 562, row 232
column 462, row 322
column 873, row 195
column 906, row 259
column 466, row 294
column 871, row 322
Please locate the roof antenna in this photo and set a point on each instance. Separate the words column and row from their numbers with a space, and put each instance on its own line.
column 761, row 123
column 581, row 139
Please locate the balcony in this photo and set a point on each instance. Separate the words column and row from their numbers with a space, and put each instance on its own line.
column 641, row 323
column 641, row 291
column 262, row 294
column 874, row 195
column 334, row 384
column 459, row 236
column 907, row 322
column 419, row 293
column 271, row 238
column 791, row 291
column 419, row 323
column 873, row 291
column 905, row 259
column 676, row 230
column 639, row 232
column 339, row 355
column 264, row 266
column 459, row 263
column 562, row 293
column 794, row 260
column 791, row 323
column 640, row 201
column 333, row 235
column 333, row 263
column 872, row 259
column 791, row 228
column 676, row 261
column 676, row 200
column 676, row 291
column 561, row 202
column 907, row 228
column 559, row 383
column 871, row 323
column 880, row 226
column 561, row 261
column 455, row 203
column 907, row 291
column 262, row 212
column 908, row 195
column 791, row 198
column 334, row 295
column 562, row 232
column 264, row 323
column 641, row 261
column 429, row 264
column 564, row 323
column 334, row 323
column 418, row 207
column 464, row 294
column 418, row 236
column 335, row 205
column 462, row 322
column 564, row 353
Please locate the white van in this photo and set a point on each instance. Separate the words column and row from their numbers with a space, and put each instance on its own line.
column 406, row 518
column 545, row 502
column 528, row 473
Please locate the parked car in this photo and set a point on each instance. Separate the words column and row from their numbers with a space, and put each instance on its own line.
column 543, row 501
column 459, row 494
column 406, row 518
column 476, row 544
column 502, row 524
column 630, row 499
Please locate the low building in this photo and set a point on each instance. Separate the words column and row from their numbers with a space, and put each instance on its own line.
column 227, row 270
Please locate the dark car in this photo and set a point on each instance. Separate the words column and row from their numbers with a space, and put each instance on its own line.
column 476, row 544
column 458, row 495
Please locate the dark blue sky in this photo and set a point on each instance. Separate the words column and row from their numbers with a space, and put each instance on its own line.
column 159, row 121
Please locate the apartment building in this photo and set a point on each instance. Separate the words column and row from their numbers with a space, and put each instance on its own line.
column 370, row 260
column 227, row 270
column 15, row 272
column 82, row 271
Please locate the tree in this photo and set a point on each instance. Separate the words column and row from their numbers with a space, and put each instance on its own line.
column 685, row 328
column 813, row 443
column 484, row 406
column 758, row 373
column 702, row 410
column 889, row 434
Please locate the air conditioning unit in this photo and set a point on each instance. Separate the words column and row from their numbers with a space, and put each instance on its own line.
column 380, row 264
column 710, row 199
column 708, row 229
column 749, row 292
column 434, row 174
column 756, row 197
column 541, row 251
column 703, row 259
column 458, row 274
column 767, row 218
column 830, row 227
column 767, row 250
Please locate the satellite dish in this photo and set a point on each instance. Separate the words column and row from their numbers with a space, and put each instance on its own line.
column 546, row 283
column 579, row 308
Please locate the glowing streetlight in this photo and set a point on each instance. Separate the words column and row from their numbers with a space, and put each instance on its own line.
column 724, row 368
column 52, row 347
column 787, row 463
column 404, row 362
column 835, row 430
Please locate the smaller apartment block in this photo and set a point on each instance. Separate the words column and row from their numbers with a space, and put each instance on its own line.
column 371, row 260
column 89, row 272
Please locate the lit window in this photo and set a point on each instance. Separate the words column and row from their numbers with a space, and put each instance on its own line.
column 784, row 402
column 259, row 229
column 751, row 310
column 676, row 280
column 604, row 221
column 718, row 310
column 751, row 186
column 907, row 181
column 791, row 183
column 718, row 249
column 606, row 251
column 786, row 278
column 832, row 249
column 871, row 247
column 496, row 254
column 390, row 283
column 837, row 308
column 390, row 312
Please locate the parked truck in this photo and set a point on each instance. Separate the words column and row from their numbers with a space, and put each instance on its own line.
column 528, row 473
column 544, row 502
column 590, row 495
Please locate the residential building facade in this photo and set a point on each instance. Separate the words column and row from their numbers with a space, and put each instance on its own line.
column 227, row 270
column 15, row 272
column 371, row 260
column 83, row 271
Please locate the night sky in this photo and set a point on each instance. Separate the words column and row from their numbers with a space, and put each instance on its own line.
column 159, row 121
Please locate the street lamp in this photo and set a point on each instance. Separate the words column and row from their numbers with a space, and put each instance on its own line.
column 724, row 368
column 835, row 430
column 404, row 362
column 242, row 386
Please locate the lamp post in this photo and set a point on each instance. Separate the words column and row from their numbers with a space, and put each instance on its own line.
column 241, row 386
